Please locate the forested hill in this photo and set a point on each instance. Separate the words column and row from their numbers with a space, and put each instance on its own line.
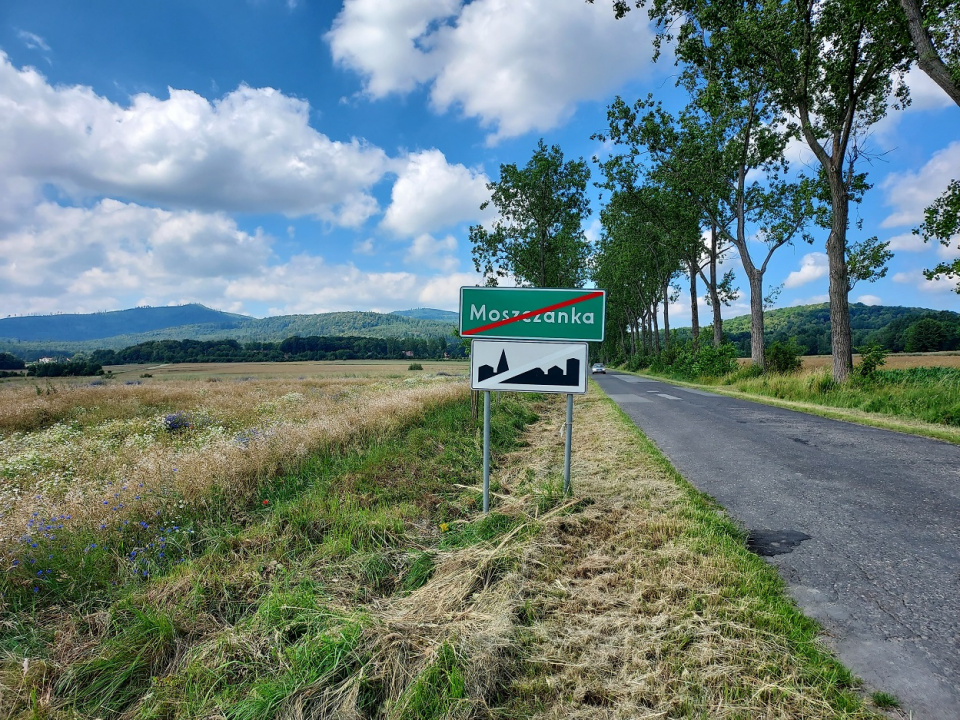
column 895, row 328
column 95, row 326
column 30, row 337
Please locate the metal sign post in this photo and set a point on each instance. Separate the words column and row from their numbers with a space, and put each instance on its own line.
column 486, row 451
column 567, row 446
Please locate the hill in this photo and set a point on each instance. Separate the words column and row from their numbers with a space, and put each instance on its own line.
column 31, row 337
column 429, row 314
column 94, row 326
column 895, row 328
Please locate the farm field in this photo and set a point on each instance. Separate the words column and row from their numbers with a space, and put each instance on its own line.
column 895, row 361
column 352, row 369
column 312, row 546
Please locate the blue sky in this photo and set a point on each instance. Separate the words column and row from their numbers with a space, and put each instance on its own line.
column 285, row 156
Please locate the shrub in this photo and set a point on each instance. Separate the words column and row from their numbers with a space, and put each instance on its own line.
column 415, row 366
column 784, row 357
column 713, row 361
column 872, row 358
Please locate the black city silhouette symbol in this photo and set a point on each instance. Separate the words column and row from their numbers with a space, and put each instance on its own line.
column 535, row 376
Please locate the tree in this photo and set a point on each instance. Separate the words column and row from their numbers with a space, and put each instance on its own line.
column 935, row 32
column 727, row 134
column 830, row 64
column 942, row 222
column 538, row 237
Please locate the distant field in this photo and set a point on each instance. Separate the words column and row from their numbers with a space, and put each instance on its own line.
column 291, row 370
column 895, row 361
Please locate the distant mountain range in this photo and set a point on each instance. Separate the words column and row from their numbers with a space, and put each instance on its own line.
column 34, row 335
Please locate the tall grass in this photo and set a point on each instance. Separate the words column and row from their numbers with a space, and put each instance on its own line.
column 929, row 394
column 108, row 482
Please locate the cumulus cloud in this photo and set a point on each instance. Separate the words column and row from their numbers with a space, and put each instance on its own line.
column 505, row 62
column 813, row 266
column 869, row 300
column 115, row 255
column 908, row 242
column 430, row 194
column 917, row 279
column 106, row 256
column 910, row 192
column 252, row 150
column 293, row 287
column 427, row 251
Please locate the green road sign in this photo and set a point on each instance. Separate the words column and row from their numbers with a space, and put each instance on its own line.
column 532, row 313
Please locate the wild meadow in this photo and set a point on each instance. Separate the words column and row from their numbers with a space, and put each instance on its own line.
column 929, row 394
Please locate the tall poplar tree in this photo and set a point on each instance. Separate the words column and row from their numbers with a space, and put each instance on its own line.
column 538, row 236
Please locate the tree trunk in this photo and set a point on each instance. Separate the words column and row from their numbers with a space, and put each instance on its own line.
column 656, row 329
column 927, row 56
column 840, row 339
column 694, row 313
column 757, row 352
column 666, row 316
column 714, row 295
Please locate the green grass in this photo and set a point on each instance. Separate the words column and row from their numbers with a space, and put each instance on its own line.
column 248, row 615
column 930, row 395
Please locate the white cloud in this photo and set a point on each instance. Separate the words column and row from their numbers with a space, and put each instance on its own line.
column 920, row 282
column 430, row 194
column 33, row 41
column 910, row 192
column 103, row 257
column 813, row 266
column 363, row 247
column 908, row 242
column 115, row 255
column 427, row 251
column 812, row 300
column 253, row 150
column 294, row 288
column 507, row 63
column 869, row 300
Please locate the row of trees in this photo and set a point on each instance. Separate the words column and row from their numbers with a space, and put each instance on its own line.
column 293, row 348
column 684, row 189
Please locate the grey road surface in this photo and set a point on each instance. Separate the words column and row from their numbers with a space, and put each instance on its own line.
column 863, row 524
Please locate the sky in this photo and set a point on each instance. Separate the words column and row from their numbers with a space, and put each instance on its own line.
column 272, row 157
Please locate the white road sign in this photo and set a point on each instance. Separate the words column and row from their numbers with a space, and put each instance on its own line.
column 517, row 366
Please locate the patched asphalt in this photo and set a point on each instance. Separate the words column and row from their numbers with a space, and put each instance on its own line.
column 862, row 523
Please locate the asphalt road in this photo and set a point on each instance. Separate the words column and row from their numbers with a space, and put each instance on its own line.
column 863, row 524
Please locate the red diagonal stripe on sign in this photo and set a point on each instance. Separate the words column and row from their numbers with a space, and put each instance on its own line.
column 531, row 313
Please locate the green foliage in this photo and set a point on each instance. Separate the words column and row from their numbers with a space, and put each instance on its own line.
column 415, row 366
column 11, row 362
column 941, row 221
column 872, row 358
column 784, row 357
column 687, row 362
column 925, row 335
column 538, row 237
column 809, row 327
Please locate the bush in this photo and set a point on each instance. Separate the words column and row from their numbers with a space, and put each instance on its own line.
column 415, row 366
column 712, row 361
column 744, row 372
column 784, row 357
column 872, row 358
